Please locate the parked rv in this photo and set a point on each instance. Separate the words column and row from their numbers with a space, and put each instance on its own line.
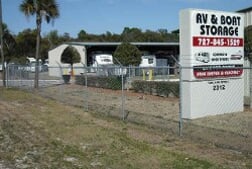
column 1, row 65
column 31, row 65
column 102, row 59
column 152, row 61
column 103, row 64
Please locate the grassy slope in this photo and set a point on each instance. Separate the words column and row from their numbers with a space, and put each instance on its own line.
column 40, row 133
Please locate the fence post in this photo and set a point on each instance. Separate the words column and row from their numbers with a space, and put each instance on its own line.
column 122, row 96
column 123, row 112
column 143, row 74
column 20, row 76
column 62, row 81
column 85, row 95
column 7, row 76
column 150, row 74
column 86, row 86
column 250, row 84
column 129, row 77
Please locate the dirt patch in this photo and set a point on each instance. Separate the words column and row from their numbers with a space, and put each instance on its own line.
column 229, row 131
column 42, row 133
column 60, row 136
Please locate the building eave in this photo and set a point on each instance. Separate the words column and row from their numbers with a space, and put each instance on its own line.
column 245, row 10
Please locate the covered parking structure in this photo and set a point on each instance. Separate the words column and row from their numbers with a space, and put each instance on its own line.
column 169, row 50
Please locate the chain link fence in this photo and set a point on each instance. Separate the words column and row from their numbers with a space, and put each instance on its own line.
column 223, row 94
column 148, row 96
column 23, row 76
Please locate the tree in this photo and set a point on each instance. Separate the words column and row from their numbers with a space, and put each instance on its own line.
column 70, row 55
column 176, row 31
column 82, row 35
column 152, row 36
column 44, row 48
column 132, row 35
column 47, row 9
column 66, row 37
column 128, row 54
column 26, row 40
column 53, row 38
column 9, row 43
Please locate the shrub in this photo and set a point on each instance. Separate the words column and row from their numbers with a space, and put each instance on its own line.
column 111, row 82
column 159, row 88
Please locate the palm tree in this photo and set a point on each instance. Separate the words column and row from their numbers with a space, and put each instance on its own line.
column 47, row 9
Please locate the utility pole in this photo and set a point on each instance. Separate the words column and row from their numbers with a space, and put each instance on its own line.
column 1, row 43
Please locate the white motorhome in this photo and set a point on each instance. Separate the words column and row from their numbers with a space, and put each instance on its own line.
column 154, row 64
column 102, row 59
column 152, row 61
column 1, row 65
column 103, row 65
column 31, row 64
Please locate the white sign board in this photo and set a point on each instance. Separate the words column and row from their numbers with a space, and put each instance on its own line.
column 212, row 57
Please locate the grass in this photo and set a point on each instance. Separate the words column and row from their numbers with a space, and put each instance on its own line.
column 39, row 133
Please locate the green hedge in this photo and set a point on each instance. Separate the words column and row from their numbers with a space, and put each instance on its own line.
column 111, row 82
column 156, row 88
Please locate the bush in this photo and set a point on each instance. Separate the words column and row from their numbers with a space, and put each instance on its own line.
column 111, row 82
column 157, row 88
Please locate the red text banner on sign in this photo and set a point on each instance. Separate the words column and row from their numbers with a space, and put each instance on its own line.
column 217, row 41
column 217, row 71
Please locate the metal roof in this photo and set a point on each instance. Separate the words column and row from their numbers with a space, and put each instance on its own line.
column 118, row 43
column 245, row 10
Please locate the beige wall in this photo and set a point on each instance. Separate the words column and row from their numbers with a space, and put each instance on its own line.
column 57, row 68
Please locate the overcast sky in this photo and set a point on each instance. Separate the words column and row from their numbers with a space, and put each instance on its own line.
column 100, row 16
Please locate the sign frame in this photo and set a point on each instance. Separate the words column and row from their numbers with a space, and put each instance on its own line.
column 212, row 59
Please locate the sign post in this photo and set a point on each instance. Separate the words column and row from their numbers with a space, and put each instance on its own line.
column 212, row 58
